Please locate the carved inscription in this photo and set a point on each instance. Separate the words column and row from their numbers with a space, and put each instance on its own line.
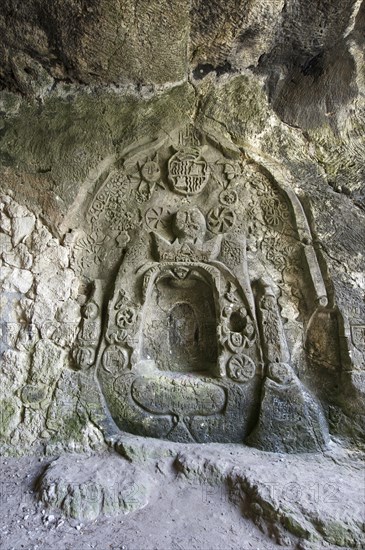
column 283, row 410
column 189, row 397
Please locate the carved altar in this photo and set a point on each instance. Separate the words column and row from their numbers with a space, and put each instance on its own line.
column 202, row 338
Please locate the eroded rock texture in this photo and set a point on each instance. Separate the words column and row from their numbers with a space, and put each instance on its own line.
column 85, row 488
column 182, row 223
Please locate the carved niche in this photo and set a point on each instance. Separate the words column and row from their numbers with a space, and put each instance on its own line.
column 213, row 282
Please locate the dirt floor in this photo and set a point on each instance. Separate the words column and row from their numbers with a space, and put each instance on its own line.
column 182, row 514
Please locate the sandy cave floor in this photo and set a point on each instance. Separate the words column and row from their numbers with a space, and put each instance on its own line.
column 183, row 514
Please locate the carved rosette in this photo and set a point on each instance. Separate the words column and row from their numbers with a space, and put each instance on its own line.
column 241, row 368
column 221, row 219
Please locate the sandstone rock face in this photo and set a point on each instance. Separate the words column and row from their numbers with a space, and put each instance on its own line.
column 181, row 223
column 116, row 42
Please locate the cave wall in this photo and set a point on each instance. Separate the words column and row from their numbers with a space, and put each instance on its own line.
column 87, row 86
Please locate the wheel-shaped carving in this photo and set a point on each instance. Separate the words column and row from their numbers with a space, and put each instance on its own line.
column 241, row 368
column 115, row 360
column 125, row 317
column 221, row 219
column 156, row 218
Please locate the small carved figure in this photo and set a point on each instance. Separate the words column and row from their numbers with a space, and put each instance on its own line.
column 88, row 336
column 274, row 341
column 150, row 170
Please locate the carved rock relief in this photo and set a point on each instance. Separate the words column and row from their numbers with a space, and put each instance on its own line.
column 212, row 280
column 195, row 287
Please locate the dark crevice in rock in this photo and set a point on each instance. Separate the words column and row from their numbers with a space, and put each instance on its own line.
column 203, row 69
column 314, row 66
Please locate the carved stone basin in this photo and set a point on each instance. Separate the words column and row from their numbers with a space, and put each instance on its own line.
column 181, row 406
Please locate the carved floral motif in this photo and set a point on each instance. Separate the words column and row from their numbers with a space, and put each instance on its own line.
column 228, row 197
column 280, row 251
column 221, row 219
column 110, row 202
column 241, row 368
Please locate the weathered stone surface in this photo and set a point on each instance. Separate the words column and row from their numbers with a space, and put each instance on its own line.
column 192, row 327
column 300, row 501
column 85, row 488
column 111, row 42
column 182, row 249
column 306, row 497
column 39, row 323
column 91, row 171
column 290, row 419
column 273, row 281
